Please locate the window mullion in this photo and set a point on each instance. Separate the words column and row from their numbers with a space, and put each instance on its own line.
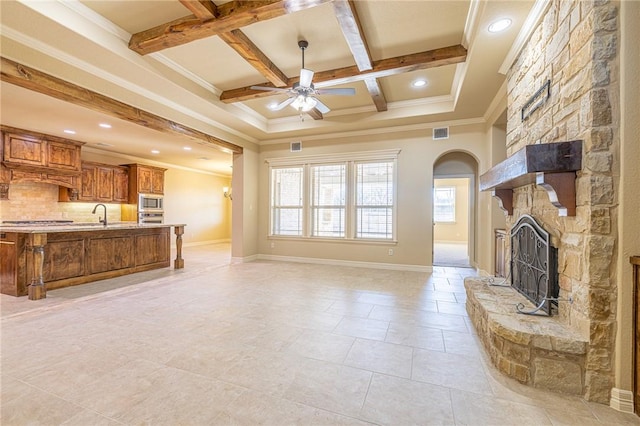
column 350, row 201
column 306, row 201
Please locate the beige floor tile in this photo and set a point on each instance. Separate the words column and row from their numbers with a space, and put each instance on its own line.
column 350, row 308
column 462, row 343
column 396, row 401
column 322, row 346
column 443, row 321
column 336, row 388
column 475, row 410
column 361, row 327
column 415, row 336
column 255, row 408
column 607, row 415
column 36, row 407
column 452, row 308
column 261, row 343
column 87, row 417
column 381, row 357
column 450, row 370
column 265, row 371
column 147, row 394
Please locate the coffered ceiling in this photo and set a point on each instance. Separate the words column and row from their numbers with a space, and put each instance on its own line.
column 194, row 63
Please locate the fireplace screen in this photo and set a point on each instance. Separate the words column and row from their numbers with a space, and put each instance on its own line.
column 534, row 265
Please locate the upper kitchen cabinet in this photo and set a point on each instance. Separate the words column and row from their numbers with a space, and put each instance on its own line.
column 40, row 152
column 100, row 183
column 35, row 157
column 145, row 179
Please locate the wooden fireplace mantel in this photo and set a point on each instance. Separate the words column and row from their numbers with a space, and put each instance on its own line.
column 552, row 166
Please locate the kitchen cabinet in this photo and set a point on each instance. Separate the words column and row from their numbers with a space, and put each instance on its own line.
column 40, row 153
column 101, row 183
column 78, row 255
column 36, row 157
column 145, row 180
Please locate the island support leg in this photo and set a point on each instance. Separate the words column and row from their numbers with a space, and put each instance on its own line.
column 179, row 262
column 37, row 289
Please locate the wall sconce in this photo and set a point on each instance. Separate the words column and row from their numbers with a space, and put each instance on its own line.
column 226, row 191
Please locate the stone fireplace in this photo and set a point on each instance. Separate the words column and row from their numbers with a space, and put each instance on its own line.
column 573, row 55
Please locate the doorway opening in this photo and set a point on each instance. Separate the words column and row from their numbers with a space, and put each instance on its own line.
column 451, row 221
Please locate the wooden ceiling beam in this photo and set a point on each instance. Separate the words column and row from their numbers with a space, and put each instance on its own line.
column 32, row 79
column 239, row 42
column 352, row 29
column 382, row 68
column 231, row 16
column 315, row 114
column 204, row 10
column 373, row 86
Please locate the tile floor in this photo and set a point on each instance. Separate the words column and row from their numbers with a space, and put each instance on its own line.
column 263, row 343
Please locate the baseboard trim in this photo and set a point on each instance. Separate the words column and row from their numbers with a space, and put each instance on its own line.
column 352, row 263
column 621, row 400
column 201, row 243
column 246, row 259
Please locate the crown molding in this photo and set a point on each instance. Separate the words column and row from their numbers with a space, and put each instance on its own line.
column 380, row 131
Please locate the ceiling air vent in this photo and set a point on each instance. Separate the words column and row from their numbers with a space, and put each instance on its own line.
column 296, row 146
column 440, row 133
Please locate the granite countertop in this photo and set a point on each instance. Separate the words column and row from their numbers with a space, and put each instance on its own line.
column 63, row 226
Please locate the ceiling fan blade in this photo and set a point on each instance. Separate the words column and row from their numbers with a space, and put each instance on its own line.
column 305, row 77
column 269, row 89
column 283, row 104
column 321, row 107
column 346, row 91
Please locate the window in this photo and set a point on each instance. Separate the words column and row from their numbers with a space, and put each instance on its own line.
column 328, row 207
column 286, row 201
column 350, row 197
column 444, row 204
column 374, row 200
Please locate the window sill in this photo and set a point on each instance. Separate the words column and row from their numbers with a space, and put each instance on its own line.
column 334, row 240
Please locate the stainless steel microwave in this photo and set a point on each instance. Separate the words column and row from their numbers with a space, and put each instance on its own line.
column 150, row 203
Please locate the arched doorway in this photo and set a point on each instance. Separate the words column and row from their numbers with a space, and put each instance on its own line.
column 454, row 210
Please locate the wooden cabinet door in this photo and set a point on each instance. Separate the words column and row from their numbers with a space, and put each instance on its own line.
column 120, row 185
column 63, row 156
column 88, row 183
column 104, row 184
column 145, row 181
column 24, row 150
column 157, row 181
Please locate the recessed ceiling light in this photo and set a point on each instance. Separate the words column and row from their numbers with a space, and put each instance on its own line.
column 187, row 148
column 419, row 83
column 70, row 132
column 105, row 125
column 500, row 25
column 272, row 105
column 155, row 151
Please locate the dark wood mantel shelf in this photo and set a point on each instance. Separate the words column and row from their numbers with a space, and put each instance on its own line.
column 553, row 166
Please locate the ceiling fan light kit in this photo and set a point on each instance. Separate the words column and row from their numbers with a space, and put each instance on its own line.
column 302, row 96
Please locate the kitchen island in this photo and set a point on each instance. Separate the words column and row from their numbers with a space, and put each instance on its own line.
column 35, row 258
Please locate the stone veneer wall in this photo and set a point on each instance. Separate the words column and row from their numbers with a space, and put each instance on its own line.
column 575, row 46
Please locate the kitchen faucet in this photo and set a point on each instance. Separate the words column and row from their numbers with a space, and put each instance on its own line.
column 105, row 213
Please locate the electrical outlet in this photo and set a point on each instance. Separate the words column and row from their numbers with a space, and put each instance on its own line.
column 390, row 252
column 273, row 245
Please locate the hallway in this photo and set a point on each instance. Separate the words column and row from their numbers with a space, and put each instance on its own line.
column 263, row 343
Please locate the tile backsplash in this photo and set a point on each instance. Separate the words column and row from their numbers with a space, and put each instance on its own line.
column 39, row 201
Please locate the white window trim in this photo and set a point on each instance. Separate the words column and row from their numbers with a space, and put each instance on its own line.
column 349, row 158
column 454, row 205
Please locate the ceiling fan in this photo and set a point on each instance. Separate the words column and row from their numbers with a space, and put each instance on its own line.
column 303, row 95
